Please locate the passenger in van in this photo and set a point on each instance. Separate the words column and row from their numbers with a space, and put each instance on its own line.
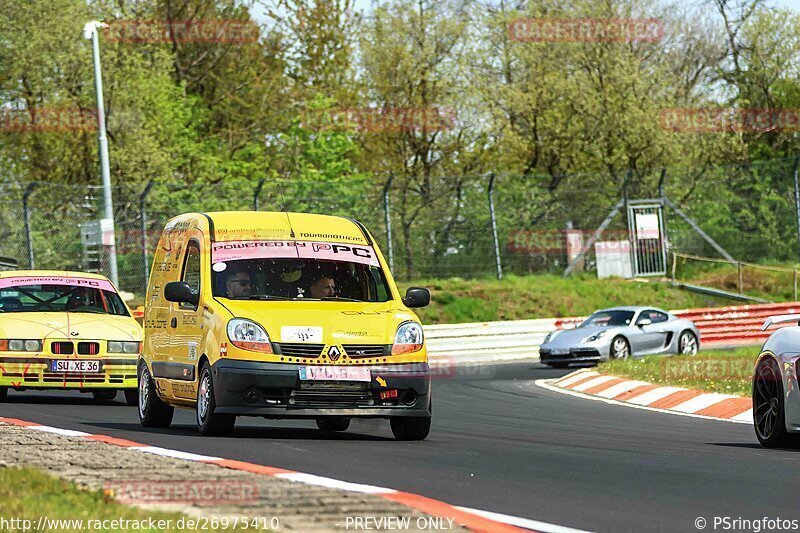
column 322, row 286
column 238, row 284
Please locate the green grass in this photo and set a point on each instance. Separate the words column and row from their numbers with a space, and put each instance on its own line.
column 723, row 371
column 543, row 296
column 29, row 494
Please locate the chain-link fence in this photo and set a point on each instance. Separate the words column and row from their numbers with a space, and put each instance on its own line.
column 434, row 227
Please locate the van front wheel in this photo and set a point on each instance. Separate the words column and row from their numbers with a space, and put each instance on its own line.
column 208, row 421
column 153, row 413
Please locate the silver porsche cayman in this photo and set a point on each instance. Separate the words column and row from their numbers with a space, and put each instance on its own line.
column 619, row 333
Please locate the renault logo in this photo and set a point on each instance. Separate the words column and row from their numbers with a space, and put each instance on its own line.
column 334, row 353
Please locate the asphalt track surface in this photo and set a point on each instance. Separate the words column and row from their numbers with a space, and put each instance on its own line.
column 500, row 443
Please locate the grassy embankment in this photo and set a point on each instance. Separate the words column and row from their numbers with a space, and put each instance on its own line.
column 28, row 494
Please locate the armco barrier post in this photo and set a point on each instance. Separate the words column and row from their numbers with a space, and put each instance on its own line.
column 494, row 227
column 26, row 212
column 143, row 219
column 256, row 194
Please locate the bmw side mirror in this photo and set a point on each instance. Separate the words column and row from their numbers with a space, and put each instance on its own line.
column 644, row 322
column 417, row 297
column 180, row 292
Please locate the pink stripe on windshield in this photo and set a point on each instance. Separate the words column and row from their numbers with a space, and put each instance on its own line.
column 57, row 280
column 222, row 252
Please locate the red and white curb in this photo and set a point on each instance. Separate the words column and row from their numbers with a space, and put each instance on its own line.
column 472, row 519
column 643, row 395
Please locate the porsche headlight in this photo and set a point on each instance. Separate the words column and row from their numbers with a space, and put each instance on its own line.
column 598, row 335
column 248, row 335
column 549, row 337
column 123, row 347
column 408, row 339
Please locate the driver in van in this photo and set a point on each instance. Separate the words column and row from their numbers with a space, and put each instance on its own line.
column 322, row 286
column 238, row 284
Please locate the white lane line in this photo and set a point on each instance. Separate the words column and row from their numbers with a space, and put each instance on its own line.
column 59, row 431
column 654, row 395
column 546, row 384
column 525, row 523
column 331, row 483
column 599, row 380
column 746, row 417
column 701, row 402
column 575, row 376
column 621, row 388
column 174, row 453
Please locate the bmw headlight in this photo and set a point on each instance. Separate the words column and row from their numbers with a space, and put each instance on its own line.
column 20, row 345
column 123, row 347
column 598, row 335
column 408, row 339
column 248, row 335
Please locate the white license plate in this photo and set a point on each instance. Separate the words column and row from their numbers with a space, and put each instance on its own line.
column 335, row 373
column 75, row 365
column 560, row 351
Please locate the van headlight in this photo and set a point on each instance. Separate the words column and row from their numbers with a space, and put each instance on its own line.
column 248, row 335
column 408, row 339
column 123, row 347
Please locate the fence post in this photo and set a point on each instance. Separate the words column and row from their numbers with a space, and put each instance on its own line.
column 26, row 212
column 674, row 265
column 143, row 218
column 739, row 272
column 794, row 282
column 797, row 197
column 256, row 194
column 494, row 227
column 387, row 214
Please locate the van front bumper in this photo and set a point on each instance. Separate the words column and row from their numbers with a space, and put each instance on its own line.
column 274, row 390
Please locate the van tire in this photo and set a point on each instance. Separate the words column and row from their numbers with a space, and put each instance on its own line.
column 333, row 424
column 153, row 412
column 131, row 396
column 208, row 421
column 3, row 393
column 408, row 428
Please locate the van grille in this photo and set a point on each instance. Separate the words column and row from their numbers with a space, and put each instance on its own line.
column 299, row 349
column 367, row 350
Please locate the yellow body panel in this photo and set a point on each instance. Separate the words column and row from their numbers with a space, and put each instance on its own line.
column 177, row 335
column 31, row 369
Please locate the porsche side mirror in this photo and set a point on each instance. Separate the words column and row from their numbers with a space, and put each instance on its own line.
column 644, row 322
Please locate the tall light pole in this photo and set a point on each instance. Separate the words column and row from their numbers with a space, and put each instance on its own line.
column 90, row 32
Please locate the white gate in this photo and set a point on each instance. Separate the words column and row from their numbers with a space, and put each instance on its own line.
column 648, row 238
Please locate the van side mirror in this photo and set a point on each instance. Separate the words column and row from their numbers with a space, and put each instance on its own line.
column 644, row 322
column 180, row 292
column 417, row 297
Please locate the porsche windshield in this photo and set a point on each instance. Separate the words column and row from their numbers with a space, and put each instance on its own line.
column 37, row 298
column 299, row 279
column 609, row 318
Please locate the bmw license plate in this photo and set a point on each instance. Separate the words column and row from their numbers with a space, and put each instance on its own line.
column 75, row 365
column 335, row 373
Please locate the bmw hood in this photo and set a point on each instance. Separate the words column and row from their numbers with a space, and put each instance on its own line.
column 93, row 326
column 572, row 337
column 324, row 322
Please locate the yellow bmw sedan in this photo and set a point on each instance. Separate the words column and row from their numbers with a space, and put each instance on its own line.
column 66, row 330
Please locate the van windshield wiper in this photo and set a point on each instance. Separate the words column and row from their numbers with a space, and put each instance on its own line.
column 340, row 299
column 265, row 297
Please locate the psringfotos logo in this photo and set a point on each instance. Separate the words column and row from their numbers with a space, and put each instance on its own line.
column 47, row 119
column 585, row 30
column 182, row 31
column 726, row 119
column 196, row 492
column 380, row 120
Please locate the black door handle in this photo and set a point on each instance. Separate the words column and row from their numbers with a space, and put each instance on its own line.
column 174, row 322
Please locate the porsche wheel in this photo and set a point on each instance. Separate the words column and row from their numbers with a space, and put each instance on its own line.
column 153, row 412
column 687, row 343
column 768, row 406
column 620, row 349
column 210, row 422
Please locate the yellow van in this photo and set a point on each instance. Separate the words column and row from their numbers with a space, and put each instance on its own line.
column 280, row 315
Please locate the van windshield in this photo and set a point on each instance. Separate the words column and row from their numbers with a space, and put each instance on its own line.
column 299, row 279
